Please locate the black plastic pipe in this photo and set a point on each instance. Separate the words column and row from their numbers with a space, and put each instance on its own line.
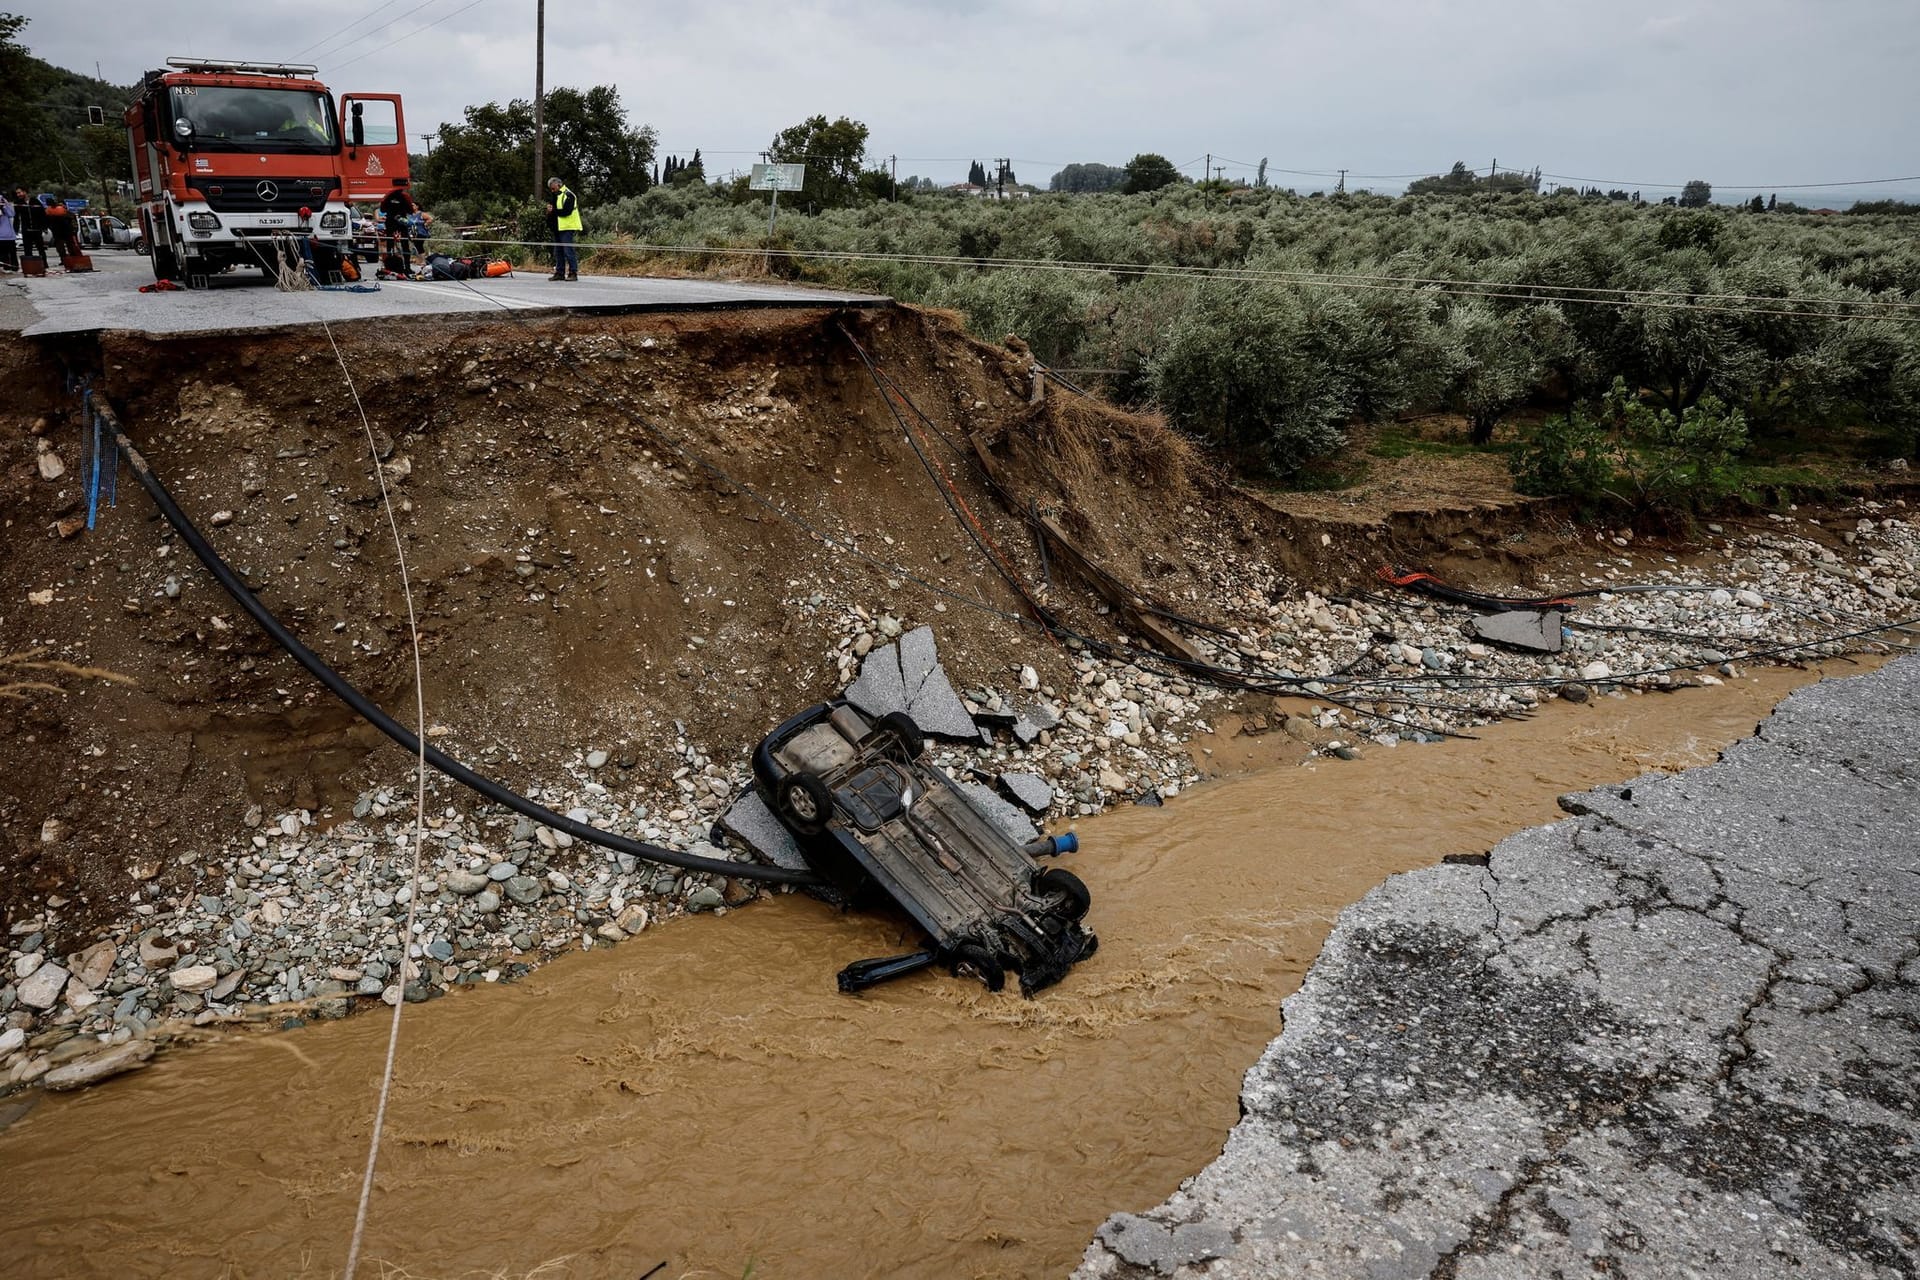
column 373, row 715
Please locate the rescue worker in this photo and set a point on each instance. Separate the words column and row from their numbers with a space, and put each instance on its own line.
column 563, row 215
column 30, row 218
column 63, row 227
column 9, row 260
column 396, row 212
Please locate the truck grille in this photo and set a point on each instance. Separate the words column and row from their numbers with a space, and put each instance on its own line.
column 263, row 195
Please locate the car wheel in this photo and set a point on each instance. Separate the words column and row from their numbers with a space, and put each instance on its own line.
column 1071, row 889
column 804, row 802
column 141, row 247
column 902, row 728
column 981, row 961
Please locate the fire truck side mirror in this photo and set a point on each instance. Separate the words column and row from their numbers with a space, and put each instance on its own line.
column 359, row 124
column 183, row 129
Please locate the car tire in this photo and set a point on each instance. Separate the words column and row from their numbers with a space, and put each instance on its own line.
column 804, row 802
column 1060, row 881
column 901, row 727
column 982, row 962
column 141, row 247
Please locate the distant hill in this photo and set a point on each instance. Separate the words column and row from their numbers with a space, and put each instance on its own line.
column 46, row 142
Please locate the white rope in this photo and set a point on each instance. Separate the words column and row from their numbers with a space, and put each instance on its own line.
column 419, row 819
column 291, row 273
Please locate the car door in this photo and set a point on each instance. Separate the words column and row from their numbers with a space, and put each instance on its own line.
column 375, row 150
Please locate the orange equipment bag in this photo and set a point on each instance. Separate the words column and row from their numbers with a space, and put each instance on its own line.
column 500, row 268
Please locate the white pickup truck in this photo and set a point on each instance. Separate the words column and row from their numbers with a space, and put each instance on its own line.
column 103, row 230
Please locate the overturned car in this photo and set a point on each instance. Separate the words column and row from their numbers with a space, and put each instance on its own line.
column 877, row 821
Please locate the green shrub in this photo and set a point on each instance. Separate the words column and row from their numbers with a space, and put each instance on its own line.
column 1246, row 369
column 1625, row 453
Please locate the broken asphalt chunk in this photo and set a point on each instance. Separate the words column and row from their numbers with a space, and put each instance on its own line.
column 1030, row 791
column 1535, row 630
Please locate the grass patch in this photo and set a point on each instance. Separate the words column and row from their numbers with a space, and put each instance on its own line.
column 1393, row 442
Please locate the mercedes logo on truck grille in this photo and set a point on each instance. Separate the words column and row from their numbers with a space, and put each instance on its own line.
column 267, row 192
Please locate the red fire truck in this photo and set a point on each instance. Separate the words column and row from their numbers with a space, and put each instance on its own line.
column 229, row 155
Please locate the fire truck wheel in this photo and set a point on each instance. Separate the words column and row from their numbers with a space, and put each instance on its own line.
column 165, row 265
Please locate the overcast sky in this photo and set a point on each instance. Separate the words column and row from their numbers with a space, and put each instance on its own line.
column 1634, row 92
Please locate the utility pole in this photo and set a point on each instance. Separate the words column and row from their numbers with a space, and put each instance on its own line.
column 540, row 100
column 1209, row 169
column 893, row 167
column 1342, row 188
column 1000, row 182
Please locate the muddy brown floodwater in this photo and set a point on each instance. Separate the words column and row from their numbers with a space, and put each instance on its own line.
column 703, row 1097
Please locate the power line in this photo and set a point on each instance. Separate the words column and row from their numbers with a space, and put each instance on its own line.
column 1737, row 186
column 410, row 35
column 343, row 30
column 375, row 31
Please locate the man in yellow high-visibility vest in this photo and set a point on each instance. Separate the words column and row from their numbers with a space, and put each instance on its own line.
column 563, row 209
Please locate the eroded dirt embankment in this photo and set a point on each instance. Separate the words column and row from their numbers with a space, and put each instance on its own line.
column 577, row 580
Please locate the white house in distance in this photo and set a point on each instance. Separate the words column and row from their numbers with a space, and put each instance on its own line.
column 988, row 193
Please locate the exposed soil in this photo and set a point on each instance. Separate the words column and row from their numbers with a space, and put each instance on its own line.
column 578, row 581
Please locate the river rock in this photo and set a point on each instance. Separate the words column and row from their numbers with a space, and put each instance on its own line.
column 524, row 890
column 596, row 759
column 195, row 978
column 99, row 1066
column 94, row 965
column 11, row 1039
column 41, row 989
column 157, row 951
column 466, row 883
column 486, row 902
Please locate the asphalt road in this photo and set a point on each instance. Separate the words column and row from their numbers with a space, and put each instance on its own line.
column 109, row 297
column 1670, row 1038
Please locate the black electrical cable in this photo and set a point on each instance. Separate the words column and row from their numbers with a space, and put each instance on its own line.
column 373, row 715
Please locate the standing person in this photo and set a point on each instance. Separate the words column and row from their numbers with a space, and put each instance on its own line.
column 420, row 220
column 64, row 228
column 397, row 208
column 563, row 211
column 31, row 221
column 9, row 260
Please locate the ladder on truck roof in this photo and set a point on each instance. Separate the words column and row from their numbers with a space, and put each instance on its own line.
column 217, row 65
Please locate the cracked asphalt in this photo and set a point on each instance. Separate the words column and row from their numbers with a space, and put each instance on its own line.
column 1673, row 1035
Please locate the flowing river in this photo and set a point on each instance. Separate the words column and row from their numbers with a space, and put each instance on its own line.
column 702, row 1097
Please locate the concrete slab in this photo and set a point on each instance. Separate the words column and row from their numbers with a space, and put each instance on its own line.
column 244, row 301
column 918, row 660
column 753, row 824
column 1028, row 790
column 1535, row 630
column 879, row 689
column 1673, row 1036
column 940, row 713
column 1017, row 825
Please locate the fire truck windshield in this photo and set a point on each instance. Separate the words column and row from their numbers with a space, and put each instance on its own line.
column 230, row 119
